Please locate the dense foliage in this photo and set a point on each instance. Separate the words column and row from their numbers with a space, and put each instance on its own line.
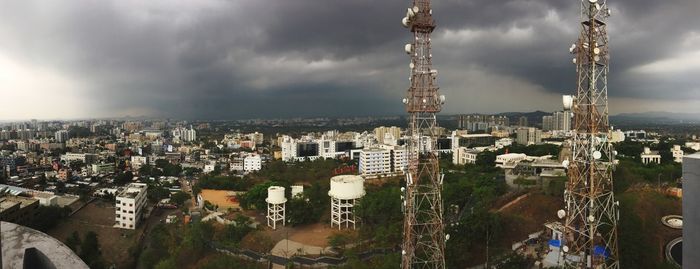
column 381, row 215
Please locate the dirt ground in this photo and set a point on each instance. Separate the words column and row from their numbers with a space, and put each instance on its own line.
column 98, row 216
column 528, row 216
column 315, row 234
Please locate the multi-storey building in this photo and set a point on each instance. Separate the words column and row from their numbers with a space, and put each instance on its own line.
column 138, row 161
column 130, row 204
column 382, row 133
column 374, row 162
column 677, row 153
column 252, row 163
column 463, row 155
column 86, row 158
column 18, row 209
column 529, row 136
column 61, row 136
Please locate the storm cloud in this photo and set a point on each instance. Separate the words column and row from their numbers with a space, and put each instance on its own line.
column 215, row 59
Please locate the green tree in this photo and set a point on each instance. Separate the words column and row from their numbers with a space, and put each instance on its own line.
column 255, row 197
column 179, row 198
column 381, row 215
column 73, row 241
column 90, row 251
column 123, row 178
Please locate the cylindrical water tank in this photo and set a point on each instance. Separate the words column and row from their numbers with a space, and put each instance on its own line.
column 347, row 187
column 297, row 190
column 275, row 195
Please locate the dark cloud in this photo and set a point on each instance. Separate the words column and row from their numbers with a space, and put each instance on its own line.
column 267, row 58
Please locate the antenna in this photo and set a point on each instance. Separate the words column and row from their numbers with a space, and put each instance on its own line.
column 423, row 232
column 591, row 212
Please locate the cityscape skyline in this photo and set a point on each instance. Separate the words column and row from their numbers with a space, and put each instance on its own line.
column 261, row 59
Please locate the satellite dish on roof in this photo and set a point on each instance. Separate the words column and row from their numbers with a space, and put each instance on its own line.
column 574, row 60
column 596, row 58
column 565, row 163
column 596, row 50
column 412, row 65
column 565, row 248
column 415, row 9
column 591, row 218
column 597, row 155
column 561, row 213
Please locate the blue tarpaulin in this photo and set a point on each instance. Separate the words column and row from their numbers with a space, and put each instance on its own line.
column 601, row 251
column 555, row 243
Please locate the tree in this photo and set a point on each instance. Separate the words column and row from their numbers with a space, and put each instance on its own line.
column 76, row 165
column 300, row 211
column 73, row 241
column 380, row 213
column 90, row 251
column 179, row 198
column 47, row 217
column 123, row 178
column 255, row 197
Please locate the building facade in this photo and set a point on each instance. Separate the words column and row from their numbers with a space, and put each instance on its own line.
column 130, row 204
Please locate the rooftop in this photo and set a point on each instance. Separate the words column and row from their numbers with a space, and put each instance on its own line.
column 132, row 190
column 9, row 201
column 22, row 247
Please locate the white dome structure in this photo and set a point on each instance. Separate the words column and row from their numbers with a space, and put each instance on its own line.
column 344, row 192
column 276, row 205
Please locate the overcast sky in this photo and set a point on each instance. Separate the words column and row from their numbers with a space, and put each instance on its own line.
column 215, row 59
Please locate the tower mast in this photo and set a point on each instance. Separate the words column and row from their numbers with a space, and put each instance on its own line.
column 590, row 236
column 423, row 233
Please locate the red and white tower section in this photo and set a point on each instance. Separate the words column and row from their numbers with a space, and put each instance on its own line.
column 423, row 234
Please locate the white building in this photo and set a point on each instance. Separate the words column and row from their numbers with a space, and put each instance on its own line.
column 86, row 158
column 209, row 167
column 186, row 135
column 374, row 162
column 61, row 136
column 649, row 156
column 387, row 135
column 100, row 168
column 289, row 148
column 130, row 205
column 616, row 136
column 463, row 155
column 693, row 145
column 138, row 161
column 677, row 153
column 503, row 142
column 399, row 159
column 252, row 163
column 529, row 136
column 509, row 158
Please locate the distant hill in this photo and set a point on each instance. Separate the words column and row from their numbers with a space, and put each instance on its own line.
column 656, row 118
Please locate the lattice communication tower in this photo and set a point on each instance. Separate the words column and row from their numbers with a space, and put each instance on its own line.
column 590, row 236
column 423, row 233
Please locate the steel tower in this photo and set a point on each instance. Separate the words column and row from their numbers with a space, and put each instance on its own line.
column 590, row 239
column 423, row 233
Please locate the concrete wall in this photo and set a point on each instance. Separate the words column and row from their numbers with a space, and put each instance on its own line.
column 691, row 210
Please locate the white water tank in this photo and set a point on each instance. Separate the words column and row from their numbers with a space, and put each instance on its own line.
column 275, row 195
column 297, row 190
column 347, row 187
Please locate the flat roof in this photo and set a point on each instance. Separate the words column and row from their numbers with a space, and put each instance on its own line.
column 16, row 239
